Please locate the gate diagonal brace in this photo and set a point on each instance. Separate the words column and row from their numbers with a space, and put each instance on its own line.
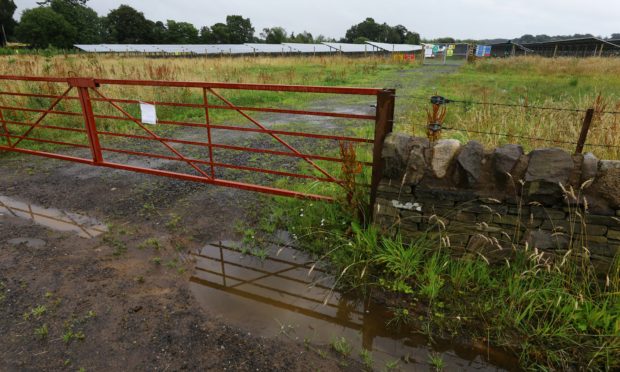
column 43, row 116
column 163, row 142
column 276, row 137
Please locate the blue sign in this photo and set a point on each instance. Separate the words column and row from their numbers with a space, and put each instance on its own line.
column 483, row 51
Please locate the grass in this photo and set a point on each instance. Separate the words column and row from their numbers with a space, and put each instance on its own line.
column 436, row 361
column 366, row 357
column 561, row 82
column 570, row 83
column 152, row 243
column 554, row 315
column 41, row 332
column 342, row 346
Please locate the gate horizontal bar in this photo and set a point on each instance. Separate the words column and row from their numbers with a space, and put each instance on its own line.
column 200, row 106
column 190, row 84
column 245, row 129
column 227, row 147
column 382, row 121
column 186, row 177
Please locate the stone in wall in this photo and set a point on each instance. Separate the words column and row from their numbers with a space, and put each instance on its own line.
column 464, row 190
column 607, row 183
column 395, row 154
column 589, row 167
column 505, row 159
column 547, row 169
column 470, row 160
column 443, row 154
column 417, row 165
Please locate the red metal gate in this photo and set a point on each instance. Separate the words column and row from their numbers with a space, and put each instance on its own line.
column 81, row 120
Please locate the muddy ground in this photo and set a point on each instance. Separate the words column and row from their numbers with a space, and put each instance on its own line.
column 121, row 301
column 128, row 305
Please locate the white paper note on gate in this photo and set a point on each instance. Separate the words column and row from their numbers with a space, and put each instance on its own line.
column 149, row 113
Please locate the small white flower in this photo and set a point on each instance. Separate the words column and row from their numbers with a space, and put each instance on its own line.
column 301, row 215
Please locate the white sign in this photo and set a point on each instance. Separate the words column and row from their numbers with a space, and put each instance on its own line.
column 149, row 113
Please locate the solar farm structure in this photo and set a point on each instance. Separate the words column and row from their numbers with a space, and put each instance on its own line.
column 586, row 47
column 440, row 54
column 251, row 49
column 582, row 47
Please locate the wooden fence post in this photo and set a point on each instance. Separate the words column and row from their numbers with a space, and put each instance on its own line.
column 585, row 128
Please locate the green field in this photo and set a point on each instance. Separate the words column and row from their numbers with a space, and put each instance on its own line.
column 554, row 319
column 559, row 83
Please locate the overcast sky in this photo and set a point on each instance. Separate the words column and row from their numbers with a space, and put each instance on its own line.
column 477, row 19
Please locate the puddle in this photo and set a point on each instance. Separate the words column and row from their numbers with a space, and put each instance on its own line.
column 278, row 296
column 85, row 227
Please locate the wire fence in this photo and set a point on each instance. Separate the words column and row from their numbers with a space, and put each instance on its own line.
column 592, row 127
column 443, row 100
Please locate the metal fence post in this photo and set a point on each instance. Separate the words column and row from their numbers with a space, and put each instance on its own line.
column 83, row 85
column 585, row 128
column 383, row 126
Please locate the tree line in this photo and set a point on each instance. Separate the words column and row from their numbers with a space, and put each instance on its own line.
column 63, row 23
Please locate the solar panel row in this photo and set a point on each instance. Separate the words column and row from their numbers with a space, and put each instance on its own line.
column 250, row 48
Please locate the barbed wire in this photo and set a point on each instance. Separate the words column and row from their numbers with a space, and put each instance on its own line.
column 562, row 130
column 548, row 108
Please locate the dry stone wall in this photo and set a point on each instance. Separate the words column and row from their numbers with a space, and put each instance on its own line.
column 495, row 201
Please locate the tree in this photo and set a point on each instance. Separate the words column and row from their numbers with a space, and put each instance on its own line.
column 302, row 37
column 615, row 36
column 159, row 33
column 369, row 30
column 397, row 34
column 412, row 38
column 42, row 27
column 445, row 40
column 219, row 34
column 206, row 36
column 181, row 33
column 324, row 39
column 82, row 18
column 240, row 29
column 274, row 35
column 125, row 25
column 7, row 9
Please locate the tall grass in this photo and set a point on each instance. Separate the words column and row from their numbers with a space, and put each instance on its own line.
column 333, row 70
column 553, row 314
column 567, row 83
column 552, row 311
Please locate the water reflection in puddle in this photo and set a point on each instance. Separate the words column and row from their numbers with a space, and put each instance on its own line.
column 280, row 294
column 54, row 219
